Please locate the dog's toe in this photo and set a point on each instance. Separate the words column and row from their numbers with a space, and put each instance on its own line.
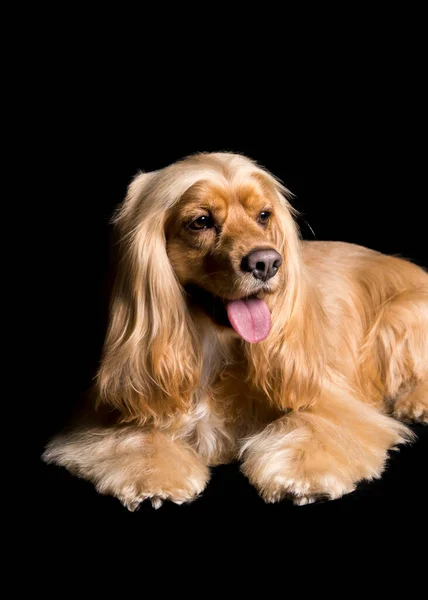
column 304, row 500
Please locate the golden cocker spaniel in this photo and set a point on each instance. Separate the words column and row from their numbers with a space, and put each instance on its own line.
column 232, row 339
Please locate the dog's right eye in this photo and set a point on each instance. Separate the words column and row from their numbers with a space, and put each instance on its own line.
column 204, row 222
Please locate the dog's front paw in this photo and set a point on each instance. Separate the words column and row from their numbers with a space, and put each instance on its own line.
column 307, row 458
column 173, row 473
column 131, row 464
column 179, row 490
column 306, row 489
column 291, row 475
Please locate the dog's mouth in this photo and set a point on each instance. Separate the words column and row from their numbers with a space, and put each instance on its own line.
column 249, row 316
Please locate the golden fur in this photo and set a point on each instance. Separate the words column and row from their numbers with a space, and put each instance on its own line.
column 306, row 410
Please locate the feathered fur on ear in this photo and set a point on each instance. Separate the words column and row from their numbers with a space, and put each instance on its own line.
column 150, row 365
column 292, row 349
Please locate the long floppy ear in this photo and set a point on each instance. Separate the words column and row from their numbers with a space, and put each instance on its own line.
column 150, row 366
column 294, row 348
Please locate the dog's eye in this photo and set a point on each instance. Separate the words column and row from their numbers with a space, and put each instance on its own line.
column 264, row 217
column 204, row 222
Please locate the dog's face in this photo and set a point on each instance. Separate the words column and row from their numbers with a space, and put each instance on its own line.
column 224, row 245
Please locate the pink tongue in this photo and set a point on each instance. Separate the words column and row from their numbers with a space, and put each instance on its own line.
column 250, row 318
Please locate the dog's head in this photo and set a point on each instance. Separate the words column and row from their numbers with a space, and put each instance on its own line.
column 225, row 242
column 212, row 235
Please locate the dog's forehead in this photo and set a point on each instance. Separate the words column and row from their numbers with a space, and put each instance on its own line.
column 248, row 194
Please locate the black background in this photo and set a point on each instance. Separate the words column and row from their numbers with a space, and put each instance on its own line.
column 351, row 154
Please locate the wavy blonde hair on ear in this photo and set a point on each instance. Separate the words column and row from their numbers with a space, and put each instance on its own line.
column 151, row 361
column 293, row 352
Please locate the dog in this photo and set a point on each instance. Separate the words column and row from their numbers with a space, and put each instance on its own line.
column 230, row 339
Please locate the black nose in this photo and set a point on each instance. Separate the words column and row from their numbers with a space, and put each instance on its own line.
column 263, row 264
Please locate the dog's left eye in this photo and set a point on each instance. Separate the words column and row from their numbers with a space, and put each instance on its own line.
column 204, row 222
column 264, row 217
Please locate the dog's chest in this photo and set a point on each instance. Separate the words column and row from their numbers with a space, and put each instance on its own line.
column 225, row 376
column 237, row 400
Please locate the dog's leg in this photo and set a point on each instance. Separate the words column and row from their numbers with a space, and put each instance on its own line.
column 413, row 405
column 321, row 452
column 395, row 356
column 131, row 464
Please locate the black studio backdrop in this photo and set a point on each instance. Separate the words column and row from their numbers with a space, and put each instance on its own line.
column 356, row 177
